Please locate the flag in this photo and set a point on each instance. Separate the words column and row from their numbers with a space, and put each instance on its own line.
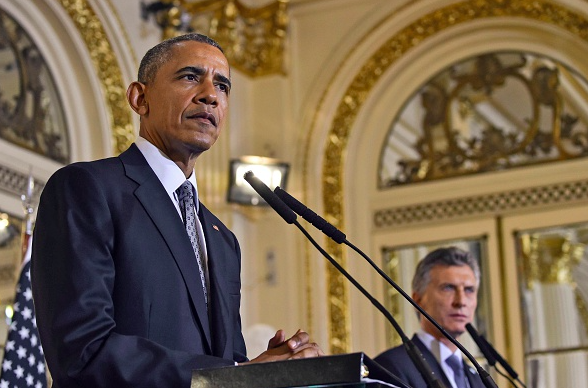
column 23, row 365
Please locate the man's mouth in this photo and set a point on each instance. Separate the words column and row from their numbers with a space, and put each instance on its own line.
column 204, row 116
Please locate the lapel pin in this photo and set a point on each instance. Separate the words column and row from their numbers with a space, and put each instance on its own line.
column 215, row 227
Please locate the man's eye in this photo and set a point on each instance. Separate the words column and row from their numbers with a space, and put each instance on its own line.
column 190, row 77
column 224, row 88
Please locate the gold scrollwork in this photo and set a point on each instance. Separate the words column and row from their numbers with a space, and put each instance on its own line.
column 358, row 90
column 549, row 258
column 392, row 299
column 31, row 113
column 468, row 126
column 107, row 69
column 252, row 38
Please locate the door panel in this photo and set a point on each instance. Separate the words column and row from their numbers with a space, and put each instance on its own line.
column 546, row 268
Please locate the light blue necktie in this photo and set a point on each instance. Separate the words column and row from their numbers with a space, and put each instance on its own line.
column 456, row 363
column 188, row 208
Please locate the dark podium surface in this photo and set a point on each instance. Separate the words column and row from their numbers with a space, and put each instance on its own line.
column 354, row 370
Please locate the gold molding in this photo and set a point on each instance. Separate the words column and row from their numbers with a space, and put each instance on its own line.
column 486, row 204
column 107, row 68
column 356, row 94
column 253, row 39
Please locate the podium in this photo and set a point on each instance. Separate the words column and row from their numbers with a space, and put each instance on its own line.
column 353, row 370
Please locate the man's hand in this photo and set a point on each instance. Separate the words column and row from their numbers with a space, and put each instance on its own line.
column 297, row 346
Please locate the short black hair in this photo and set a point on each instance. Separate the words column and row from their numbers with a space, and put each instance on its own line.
column 159, row 54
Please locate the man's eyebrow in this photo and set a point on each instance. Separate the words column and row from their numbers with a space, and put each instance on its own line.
column 223, row 79
column 191, row 69
column 199, row 71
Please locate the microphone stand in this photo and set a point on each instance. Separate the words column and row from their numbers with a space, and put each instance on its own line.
column 339, row 237
column 288, row 215
column 415, row 355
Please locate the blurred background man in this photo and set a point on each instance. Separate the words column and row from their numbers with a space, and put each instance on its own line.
column 445, row 285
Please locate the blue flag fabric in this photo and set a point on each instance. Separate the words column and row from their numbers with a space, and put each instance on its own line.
column 23, row 365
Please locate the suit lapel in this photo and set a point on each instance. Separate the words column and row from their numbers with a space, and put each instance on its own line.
column 219, row 305
column 162, row 212
column 472, row 376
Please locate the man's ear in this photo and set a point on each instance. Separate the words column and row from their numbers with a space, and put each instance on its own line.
column 416, row 297
column 136, row 98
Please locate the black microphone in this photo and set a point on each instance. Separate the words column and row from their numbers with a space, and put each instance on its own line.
column 298, row 207
column 280, row 207
column 501, row 360
column 491, row 354
column 276, row 203
column 482, row 345
column 310, row 216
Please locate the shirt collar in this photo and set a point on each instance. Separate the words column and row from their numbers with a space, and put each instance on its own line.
column 168, row 173
column 439, row 349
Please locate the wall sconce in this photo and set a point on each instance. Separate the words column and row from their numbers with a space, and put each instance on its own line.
column 271, row 171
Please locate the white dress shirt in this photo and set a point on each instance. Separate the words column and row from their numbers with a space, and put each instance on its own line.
column 441, row 353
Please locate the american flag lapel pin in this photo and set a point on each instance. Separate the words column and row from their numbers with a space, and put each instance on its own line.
column 215, row 227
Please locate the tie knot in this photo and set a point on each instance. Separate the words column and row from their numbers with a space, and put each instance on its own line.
column 185, row 191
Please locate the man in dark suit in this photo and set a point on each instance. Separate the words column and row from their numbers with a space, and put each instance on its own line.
column 445, row 285
column 135, row 285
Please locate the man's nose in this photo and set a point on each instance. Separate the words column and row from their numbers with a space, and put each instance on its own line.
column 459, row 298
column 207, row 94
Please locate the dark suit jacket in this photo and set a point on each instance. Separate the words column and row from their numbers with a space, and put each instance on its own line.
column 398, row 362
column 116, row 286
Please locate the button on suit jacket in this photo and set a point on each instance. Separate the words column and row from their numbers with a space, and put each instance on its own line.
column 117, row 292
column 397, row 361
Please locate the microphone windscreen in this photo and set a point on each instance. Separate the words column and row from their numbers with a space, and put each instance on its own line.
column 482, row 345
column 272, row 199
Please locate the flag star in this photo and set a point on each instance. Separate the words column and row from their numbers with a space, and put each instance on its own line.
column 24, row 332
column 41, row 367
column 9, row 345
column 6, row 365
column 19, row 372
column 27, row 313
column 22, row 352
column 23, row 364
column 28, row 293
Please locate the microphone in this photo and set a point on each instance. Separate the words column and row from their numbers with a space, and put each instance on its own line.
column 310, row 216
column 483, row 345
column 278, row 205
column 298, row 207
column 491, row 354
